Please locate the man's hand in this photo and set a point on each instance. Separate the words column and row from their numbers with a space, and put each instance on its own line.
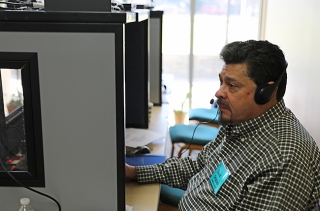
column 131, row 172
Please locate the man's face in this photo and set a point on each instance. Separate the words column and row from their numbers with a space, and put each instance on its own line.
column 236, row 95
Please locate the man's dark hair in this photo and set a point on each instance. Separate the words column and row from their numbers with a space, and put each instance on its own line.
column 265, row 61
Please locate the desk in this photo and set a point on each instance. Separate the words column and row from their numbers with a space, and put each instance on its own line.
column 159, row 124
column 146, row 197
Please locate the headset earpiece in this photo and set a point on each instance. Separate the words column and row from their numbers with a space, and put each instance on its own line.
column 265, row 91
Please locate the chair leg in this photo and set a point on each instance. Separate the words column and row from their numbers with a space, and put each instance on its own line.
column 191, row 147
column 172, row 150
column 182, row 149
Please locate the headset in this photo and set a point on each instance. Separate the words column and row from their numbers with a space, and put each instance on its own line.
column 264, row 92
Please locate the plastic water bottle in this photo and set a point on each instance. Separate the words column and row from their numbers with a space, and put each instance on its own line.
column 25, row 205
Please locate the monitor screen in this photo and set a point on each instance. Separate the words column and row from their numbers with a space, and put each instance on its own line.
column 21, row 150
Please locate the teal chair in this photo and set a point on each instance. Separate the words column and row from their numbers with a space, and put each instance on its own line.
column 169, row 198
column 194, row 137
column 181, row 133
column 205, row 115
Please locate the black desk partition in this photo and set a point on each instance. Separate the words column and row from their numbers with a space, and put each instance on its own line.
column 137, row 59
column 156, row 21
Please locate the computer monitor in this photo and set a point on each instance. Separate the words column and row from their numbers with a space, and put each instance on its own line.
column 21, row 145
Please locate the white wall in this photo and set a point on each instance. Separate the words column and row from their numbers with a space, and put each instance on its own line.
column 294, row 25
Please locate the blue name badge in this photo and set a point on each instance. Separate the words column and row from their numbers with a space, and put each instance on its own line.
column 219, row 176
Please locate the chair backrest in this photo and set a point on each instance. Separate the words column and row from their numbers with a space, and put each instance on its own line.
column 204, row 114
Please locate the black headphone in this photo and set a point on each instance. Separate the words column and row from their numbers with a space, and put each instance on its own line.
column 264, row 92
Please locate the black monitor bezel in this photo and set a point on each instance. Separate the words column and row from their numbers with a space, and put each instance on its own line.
column 28, row 63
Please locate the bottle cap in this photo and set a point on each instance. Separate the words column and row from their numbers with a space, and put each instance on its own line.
column 25, row 201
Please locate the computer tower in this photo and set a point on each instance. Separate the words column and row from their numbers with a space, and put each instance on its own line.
column 78, row 5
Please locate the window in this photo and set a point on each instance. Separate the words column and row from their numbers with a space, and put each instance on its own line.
column 21, row 148
column 194, row 32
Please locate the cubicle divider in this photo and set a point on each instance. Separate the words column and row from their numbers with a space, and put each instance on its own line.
column 82, row 99
column 156, row 21
column 137, row 68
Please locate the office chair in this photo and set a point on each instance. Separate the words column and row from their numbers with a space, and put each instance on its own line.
column 194, row 137
column 209, row 115
column 169, row 198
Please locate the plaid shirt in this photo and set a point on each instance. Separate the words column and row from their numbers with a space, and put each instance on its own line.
column 274, row 164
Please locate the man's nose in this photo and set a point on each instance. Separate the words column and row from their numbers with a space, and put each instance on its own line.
column 220, row 92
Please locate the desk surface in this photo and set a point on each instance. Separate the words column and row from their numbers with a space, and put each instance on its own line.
column 142, row 197
column 159, row 123
column 146, row 197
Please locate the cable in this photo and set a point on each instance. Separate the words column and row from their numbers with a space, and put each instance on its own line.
column 218, row 111
column 32, row 4
column 116, row 6
column 5, row 146
column 3, row 130
column 38, row 192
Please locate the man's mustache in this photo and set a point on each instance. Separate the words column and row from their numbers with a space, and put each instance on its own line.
column 220, row 102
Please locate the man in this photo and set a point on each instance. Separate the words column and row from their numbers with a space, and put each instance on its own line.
column 262, row 158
